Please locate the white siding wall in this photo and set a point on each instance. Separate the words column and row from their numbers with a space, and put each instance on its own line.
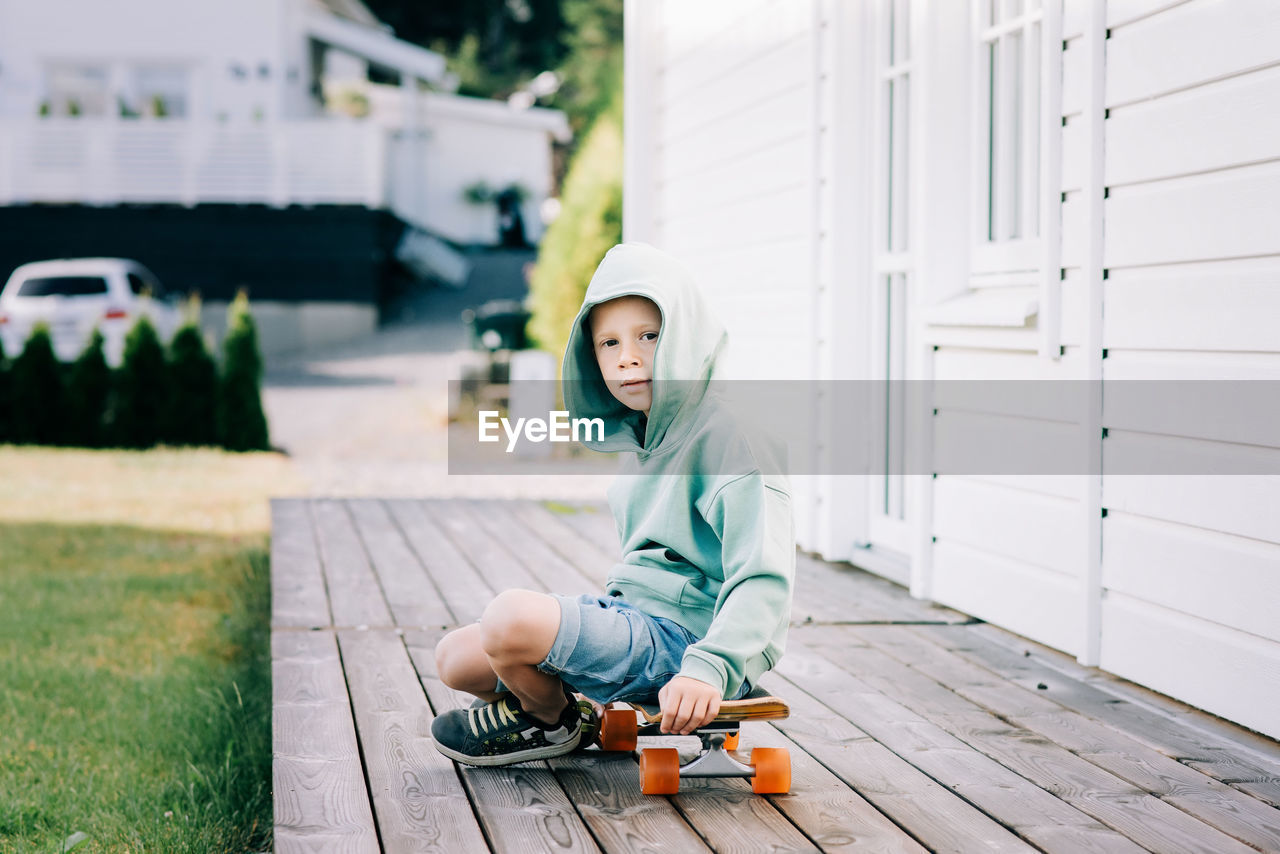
column 1191, row 565
column 733, row 161
column 741, row 122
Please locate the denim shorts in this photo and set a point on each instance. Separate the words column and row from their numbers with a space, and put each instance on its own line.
column 609, row 650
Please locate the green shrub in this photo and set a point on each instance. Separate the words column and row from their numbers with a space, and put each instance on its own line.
column 89, row 396
column 242, row 425
column 37, row 397
column 142, row 389
column 194, row 381
column 589, row 224
column 5, row 435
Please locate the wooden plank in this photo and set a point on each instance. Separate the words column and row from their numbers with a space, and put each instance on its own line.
column 491, row 559
column 590, row 559
column 554, row 573
column 463, row 589
column 354, row 593
column 980, row 779
column 593, row 520
column 838, row 592
column 1153, row 824
column 521, row 807
column 1224, row 42
column 321, row 803
column 297, row 581
column 1222, row 750
column 605, row 789
column 1242, row 817
column 417, row 797
column 413, row 599
column 936, row 817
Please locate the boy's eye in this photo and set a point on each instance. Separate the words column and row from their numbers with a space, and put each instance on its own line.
column 649, row 336
column 608, row 342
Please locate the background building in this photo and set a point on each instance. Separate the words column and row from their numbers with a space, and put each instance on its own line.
column 196, row 138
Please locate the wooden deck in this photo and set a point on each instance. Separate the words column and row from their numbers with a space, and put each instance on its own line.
column 913, row 728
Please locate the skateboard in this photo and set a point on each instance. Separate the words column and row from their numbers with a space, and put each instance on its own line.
column 768, row 768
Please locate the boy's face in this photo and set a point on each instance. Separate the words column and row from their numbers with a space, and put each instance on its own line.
column 624, row 333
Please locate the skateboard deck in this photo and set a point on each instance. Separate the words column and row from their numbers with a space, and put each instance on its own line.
column 759, row 705
column 769, row 769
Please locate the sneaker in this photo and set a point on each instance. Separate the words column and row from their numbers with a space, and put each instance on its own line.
column 502, row 733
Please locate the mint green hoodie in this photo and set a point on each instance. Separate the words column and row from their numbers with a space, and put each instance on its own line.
column 704, row 520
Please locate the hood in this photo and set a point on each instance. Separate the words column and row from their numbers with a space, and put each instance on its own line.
column 689, row 343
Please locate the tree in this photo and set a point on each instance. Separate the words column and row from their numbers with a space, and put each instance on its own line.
column 242, row 425
column 88, row 396
column 194, row 375
column 37, row 409
column 142, row 389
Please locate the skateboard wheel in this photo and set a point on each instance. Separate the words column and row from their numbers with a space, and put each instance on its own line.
column 731, row 741
column 660, row 771
column 773, row 771
column 618, row 729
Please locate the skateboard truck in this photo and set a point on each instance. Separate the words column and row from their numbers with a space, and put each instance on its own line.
column 769, row 768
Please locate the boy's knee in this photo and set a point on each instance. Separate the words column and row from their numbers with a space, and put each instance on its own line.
column 520, row 624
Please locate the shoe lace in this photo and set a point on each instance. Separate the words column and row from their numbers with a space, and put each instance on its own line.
column 488, row 719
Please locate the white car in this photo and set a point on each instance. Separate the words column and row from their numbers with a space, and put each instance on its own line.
column 72, row 296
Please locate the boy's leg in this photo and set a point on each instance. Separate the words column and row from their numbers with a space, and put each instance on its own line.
column 517, row 631
column 462, row 664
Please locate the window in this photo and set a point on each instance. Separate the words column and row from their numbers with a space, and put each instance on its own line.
column 77, row 90
column 891, row 267
column 1008, row 134
column 160, row 91
column 141, row 286
column 63, row 286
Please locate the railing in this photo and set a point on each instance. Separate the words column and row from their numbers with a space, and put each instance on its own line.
column 105, row 162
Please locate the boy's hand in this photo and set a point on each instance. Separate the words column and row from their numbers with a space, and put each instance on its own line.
column 687, row 704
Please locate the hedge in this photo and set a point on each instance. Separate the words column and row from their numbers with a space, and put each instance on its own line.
column 174, row 395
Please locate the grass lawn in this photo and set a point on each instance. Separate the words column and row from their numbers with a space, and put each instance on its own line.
column 135, row 684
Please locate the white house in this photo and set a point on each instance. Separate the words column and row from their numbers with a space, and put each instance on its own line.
column 146, row 102
column 1001, row 189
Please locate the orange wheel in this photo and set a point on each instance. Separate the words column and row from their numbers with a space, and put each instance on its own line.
column 618, row 729
column 659, row 771
column 773, row 771
column 731, row 741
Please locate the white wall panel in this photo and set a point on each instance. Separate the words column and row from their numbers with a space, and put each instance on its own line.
column 1244, row 505
column 768, row 121
column 1075, row 230
column 780, row 216
column 1206, row 41
column 1121, row 12
column 1224, row 306
column 1228, row 214
column 1231, row 673
column 1039, row 604
column 706, row 39
column 772, row 170
column 1013, row 524
column 1209, row 127
column 1233, row 581
column 1075, row 78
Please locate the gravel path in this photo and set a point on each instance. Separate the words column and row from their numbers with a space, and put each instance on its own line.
column 370, row 418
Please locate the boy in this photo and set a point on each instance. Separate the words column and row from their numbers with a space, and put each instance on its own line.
column 699, row 606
